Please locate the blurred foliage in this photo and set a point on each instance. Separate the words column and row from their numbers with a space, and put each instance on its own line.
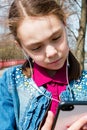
column 8, row 52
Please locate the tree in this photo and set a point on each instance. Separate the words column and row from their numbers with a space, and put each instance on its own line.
column 80, row 53
column 8, row 50
column 80, row 39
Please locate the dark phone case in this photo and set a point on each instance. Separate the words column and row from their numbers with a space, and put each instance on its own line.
column 67, row 109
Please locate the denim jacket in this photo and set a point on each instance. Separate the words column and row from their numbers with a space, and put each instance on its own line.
column 23, row 105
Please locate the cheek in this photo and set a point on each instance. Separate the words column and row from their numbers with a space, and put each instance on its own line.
column 67, row 47
column 64, row 45
column 37, row 58
column 64, row 48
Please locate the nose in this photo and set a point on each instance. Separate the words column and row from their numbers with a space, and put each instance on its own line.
column 50, row 51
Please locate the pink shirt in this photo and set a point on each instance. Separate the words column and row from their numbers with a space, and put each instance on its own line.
column 55, row 84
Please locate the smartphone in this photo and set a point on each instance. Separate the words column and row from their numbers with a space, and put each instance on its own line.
column 68, row 113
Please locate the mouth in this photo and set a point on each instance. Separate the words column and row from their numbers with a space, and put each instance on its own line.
column 56, row 61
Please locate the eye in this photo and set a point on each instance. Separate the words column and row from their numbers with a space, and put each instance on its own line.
column 36, row 48
column 56, row 38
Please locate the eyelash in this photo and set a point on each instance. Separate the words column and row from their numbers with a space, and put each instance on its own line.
column 57, row 38
column 36, row 48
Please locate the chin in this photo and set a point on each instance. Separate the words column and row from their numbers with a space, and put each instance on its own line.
column 57, row 67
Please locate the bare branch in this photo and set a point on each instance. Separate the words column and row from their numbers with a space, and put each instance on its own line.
column 72, row 32
column 77, row 3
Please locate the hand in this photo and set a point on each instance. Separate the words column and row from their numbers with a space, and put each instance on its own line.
column 80, row 124
column 48, row 122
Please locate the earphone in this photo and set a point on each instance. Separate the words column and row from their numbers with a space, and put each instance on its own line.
column 27, row 57
column 68, row 62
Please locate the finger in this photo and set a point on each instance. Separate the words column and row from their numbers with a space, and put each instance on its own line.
column 78, row 124
column 84, row 127
column 49, row 121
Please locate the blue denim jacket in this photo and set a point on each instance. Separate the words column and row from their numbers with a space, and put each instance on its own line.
column 23, row 105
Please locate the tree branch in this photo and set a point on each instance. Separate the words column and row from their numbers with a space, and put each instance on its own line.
column 72, row 33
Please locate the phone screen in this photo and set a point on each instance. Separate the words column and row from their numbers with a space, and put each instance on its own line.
column 68, row 113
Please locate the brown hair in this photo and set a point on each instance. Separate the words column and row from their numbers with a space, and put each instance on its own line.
column 18, row 11
column 74, row 67
column 20, row 8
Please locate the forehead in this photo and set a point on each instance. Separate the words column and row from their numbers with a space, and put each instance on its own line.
column 38, row 28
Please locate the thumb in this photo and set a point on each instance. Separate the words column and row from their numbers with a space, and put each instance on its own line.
column 49, row 121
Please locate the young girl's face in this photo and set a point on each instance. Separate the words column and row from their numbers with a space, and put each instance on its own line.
column 44, row 40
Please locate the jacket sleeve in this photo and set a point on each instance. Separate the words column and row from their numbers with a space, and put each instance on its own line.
column 7, row 116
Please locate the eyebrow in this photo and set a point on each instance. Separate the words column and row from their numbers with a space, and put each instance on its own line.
column 54, row 33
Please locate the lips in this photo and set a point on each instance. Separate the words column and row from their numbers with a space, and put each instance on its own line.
column 55, row 61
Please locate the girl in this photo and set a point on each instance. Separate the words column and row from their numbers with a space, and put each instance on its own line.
column 50, row 73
